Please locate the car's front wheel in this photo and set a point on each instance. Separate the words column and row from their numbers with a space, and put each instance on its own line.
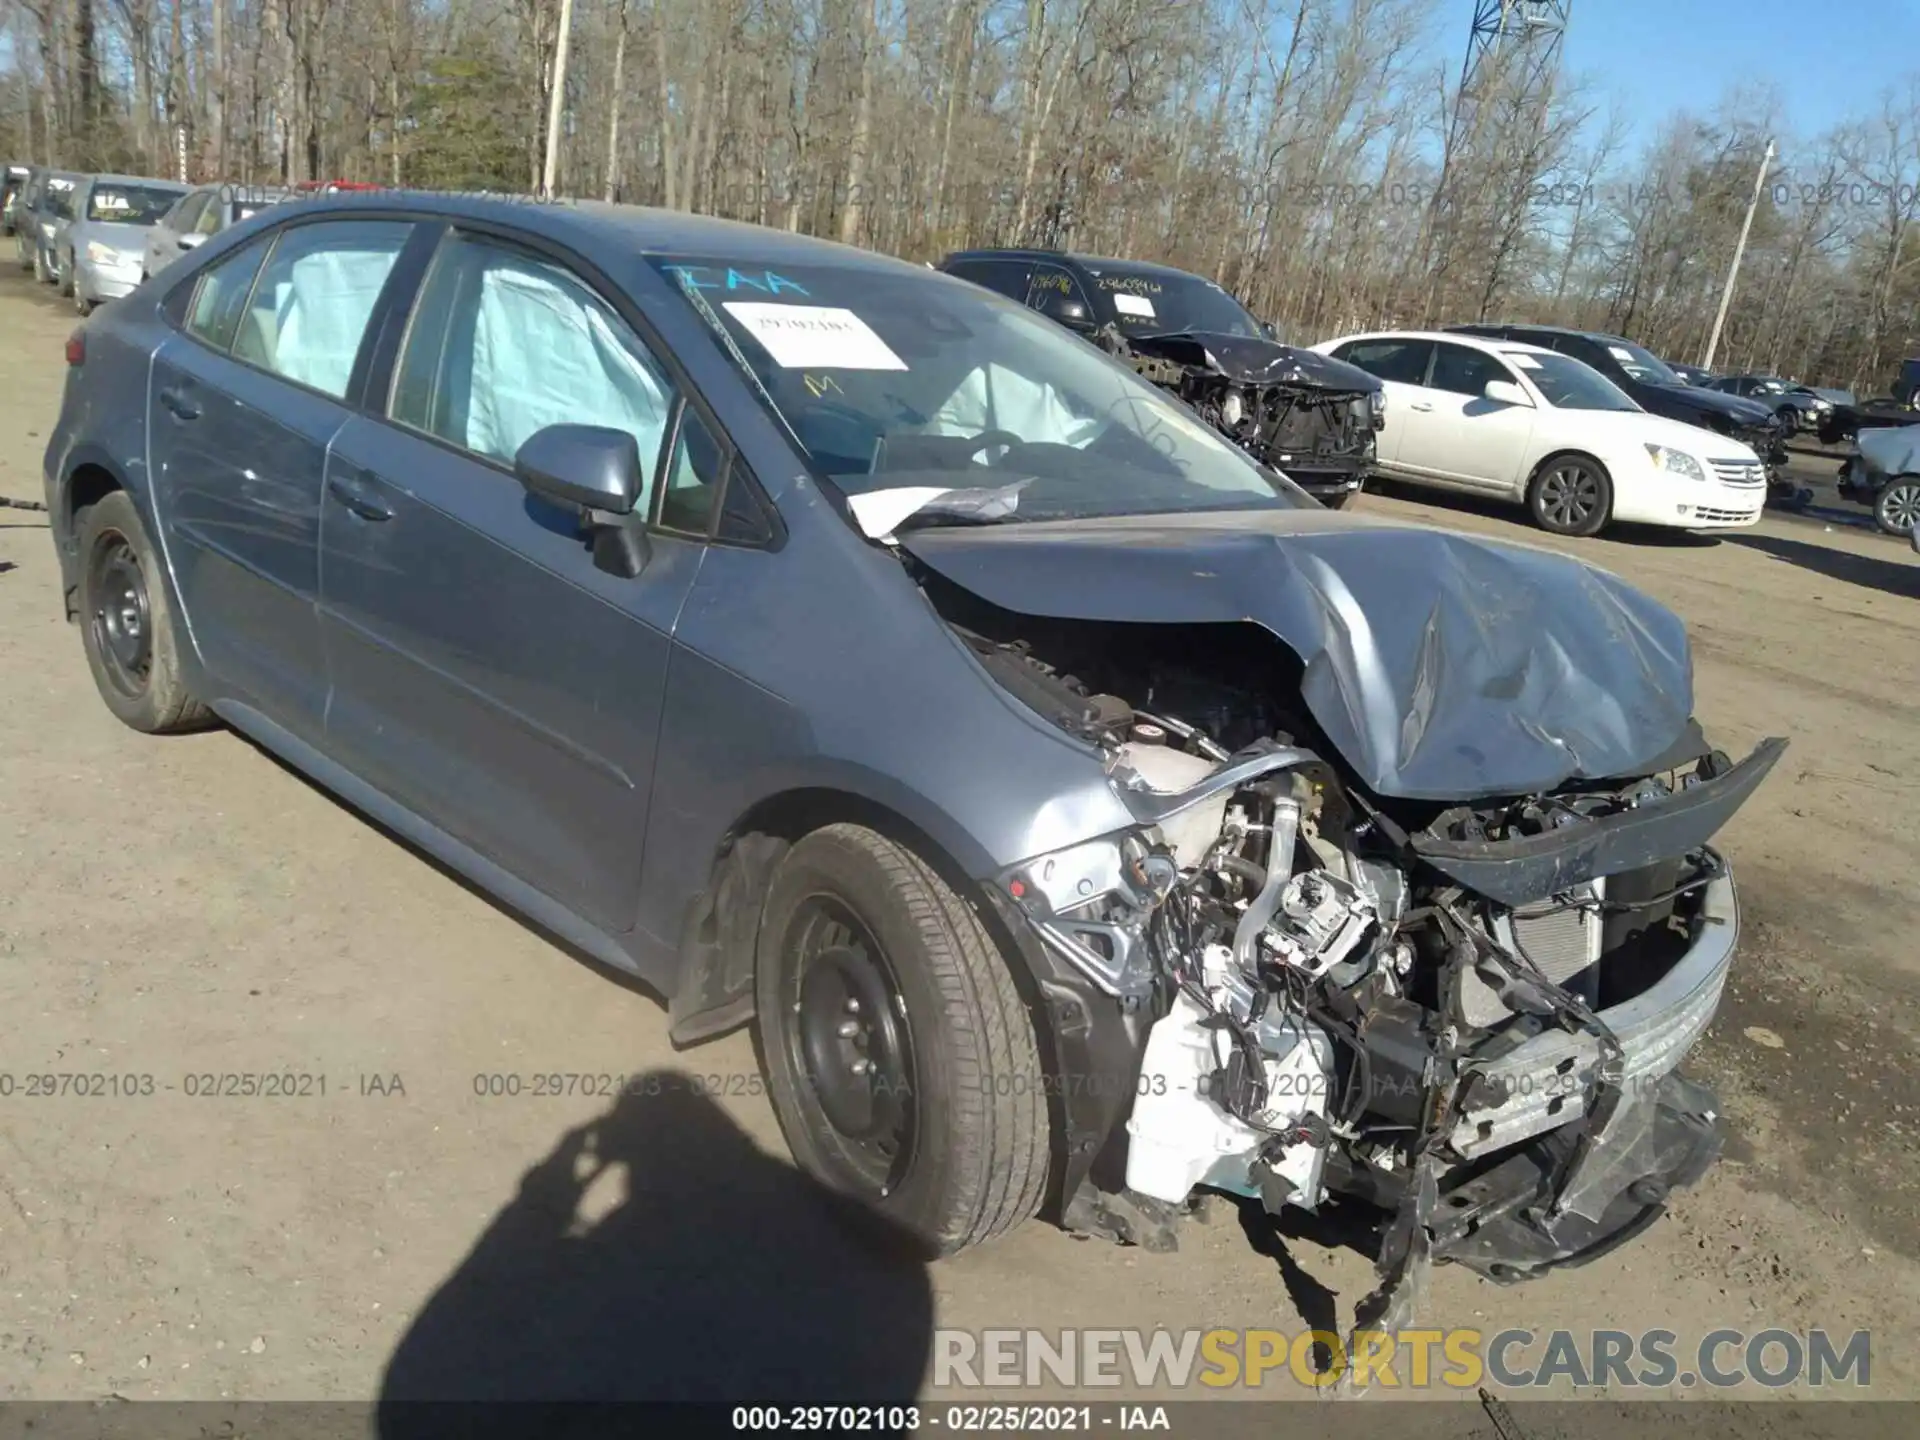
column 63, row 276
column 1898, row 507
column 900, row 1056
column 126, row 624
column 1571, row 495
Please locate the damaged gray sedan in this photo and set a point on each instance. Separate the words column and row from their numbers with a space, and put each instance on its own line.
column 1085, row 819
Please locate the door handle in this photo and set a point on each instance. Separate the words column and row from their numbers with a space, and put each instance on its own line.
column 357, row 497
column 182, row 407
column 1421, row 405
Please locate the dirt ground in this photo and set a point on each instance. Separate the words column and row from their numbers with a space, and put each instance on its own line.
column 183, row 908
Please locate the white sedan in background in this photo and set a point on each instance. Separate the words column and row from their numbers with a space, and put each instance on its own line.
column 1517, row 422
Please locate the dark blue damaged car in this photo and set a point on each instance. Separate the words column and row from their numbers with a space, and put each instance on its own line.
column 1085, row 818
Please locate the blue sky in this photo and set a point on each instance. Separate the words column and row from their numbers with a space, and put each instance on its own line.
column 1829, row 59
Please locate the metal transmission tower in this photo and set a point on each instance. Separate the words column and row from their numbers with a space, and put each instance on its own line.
column 1506, row 85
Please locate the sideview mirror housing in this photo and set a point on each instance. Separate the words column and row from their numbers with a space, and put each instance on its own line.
column 595, row 470
column 591, row 467
column 187, row 242
column 1063, row 309
column 1505, row 392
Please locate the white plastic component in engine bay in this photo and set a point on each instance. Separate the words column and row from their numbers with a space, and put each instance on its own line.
column 1192, row 832
column 1178, row 1138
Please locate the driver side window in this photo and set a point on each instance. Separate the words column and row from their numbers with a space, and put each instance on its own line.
column 1465, row 371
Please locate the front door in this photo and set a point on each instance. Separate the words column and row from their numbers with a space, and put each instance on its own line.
column 242, row 407
column 486, row 674
column 1472, row 440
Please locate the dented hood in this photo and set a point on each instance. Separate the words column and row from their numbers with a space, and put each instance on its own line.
column 1440, row 666
column 1249, row 361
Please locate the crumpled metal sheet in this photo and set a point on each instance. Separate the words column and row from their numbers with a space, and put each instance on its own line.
column 1257, row 362
column 1891, row 449
column 1439, row 666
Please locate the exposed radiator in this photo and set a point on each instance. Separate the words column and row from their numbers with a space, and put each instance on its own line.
column 1565, row 944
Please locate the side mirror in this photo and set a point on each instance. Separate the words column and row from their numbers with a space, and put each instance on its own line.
column 187, row 242
column 1505, row 392
column 1063, row 309
column 594, row 469
column 1270, row 330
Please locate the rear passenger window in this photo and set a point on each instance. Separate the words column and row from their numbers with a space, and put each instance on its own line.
column 315, row 296
column 221, row 296
column 1008, row 277
column 504, row 343
column 1402, row 361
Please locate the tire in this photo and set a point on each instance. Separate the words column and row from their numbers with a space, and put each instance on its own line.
column 1898, row 505
column 80, row 303
column 126, row 622
column 1789, row 420
column 63, row 277
column 1340, row 501
column 40, row 271
column 1571, row 495
column 859, row 931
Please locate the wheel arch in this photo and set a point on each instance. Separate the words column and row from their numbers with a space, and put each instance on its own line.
column 90, row 478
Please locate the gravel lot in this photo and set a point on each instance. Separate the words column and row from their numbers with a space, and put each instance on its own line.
column 188, row 907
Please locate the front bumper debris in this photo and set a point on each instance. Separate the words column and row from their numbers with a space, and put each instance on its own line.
column 1540, row 1209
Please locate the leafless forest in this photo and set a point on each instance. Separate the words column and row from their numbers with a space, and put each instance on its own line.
column 1291, row 149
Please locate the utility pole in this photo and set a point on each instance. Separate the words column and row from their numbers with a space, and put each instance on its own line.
column 1733, row 271
column 558, row 100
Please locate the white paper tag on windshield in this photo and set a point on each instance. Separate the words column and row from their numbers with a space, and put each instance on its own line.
column 1620, row 354
column 814, row 337
column 1133, row 304
column 1525, row 362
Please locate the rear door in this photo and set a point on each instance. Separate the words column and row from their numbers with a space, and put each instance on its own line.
column 1471, row 440
column 1400, row 363
column 487, row 674
column 242, row 407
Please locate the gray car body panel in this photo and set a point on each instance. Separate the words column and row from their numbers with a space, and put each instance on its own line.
column 814, row 668
column 100, row 283
column 1440, row 666
column 1890, row 450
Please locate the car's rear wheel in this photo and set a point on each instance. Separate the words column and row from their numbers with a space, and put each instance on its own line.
column 900, row 1056
column 126, row 624
column 1898, row 507
column 1571, row 495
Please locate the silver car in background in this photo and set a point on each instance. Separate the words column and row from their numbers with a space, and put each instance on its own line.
column 40, row 227
column 103, row 247
column 202, row 213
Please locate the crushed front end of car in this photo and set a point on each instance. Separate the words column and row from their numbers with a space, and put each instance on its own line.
column 1421, row 908
column 1311, row 417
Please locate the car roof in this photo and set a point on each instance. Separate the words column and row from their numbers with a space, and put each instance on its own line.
column 1075, row 257
column 1457, row 337
column 147, row 180
column 597, row 223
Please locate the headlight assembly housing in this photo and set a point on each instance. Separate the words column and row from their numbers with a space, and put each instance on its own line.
column 1676, row 462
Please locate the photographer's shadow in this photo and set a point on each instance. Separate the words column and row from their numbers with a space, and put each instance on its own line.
column 714, row 1272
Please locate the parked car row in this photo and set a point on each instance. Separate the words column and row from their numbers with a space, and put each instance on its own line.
column 1584, row 429
column 97, row 237
column 1083, row 816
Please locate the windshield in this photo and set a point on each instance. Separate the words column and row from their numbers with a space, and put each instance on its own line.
column 894, row 382
column 130, row 204
column 1153, row 302
column 1641, row 365
column 1568, row 384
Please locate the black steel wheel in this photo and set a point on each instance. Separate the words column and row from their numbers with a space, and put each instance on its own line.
column 126, row 625
column 1571, row 495
column 900, row 1056
column 1898, row 506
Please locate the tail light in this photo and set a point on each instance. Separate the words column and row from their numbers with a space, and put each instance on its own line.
column 77, row 348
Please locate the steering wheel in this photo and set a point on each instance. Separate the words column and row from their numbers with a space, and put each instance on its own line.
column 988, row 439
